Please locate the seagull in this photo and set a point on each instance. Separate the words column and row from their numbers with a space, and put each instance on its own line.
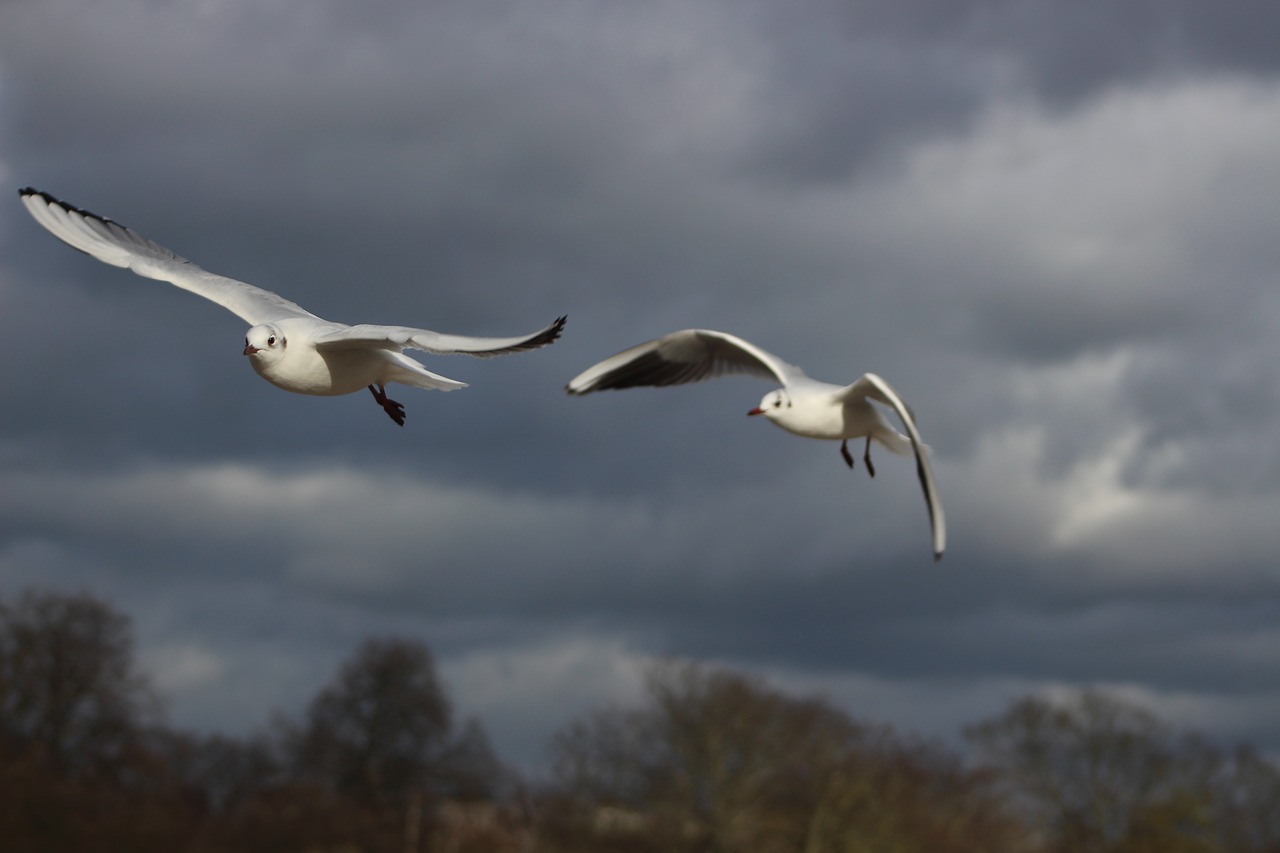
column 287, row 345
column 802, row 405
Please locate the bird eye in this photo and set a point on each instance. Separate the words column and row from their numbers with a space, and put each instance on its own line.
column 777, row 404
column 271, row 341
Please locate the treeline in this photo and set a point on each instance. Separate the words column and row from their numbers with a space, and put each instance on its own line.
column 710, row 760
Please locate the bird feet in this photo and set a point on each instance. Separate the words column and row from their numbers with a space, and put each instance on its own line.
column 866, row 456
column 394, row 410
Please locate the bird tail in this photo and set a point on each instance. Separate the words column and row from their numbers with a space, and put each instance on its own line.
column 409, row 372
column 895, row 441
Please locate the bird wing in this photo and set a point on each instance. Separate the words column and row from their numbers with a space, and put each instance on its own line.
column 404, row 337
column 112, row 243
column 691, row 355
column 871, row 385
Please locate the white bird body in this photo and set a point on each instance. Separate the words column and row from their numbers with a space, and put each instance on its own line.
column 287, row 345
column 331, row 370
column 821, row 410
column 802, row 405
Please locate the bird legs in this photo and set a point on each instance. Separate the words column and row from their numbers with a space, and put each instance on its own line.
column 866, row 456
column 394, row 410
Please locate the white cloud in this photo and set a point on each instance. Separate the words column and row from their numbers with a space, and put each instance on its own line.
column 1116, row 532
column 369, row 530
column 1229, row 715
column 1142, row 212
column 178, row 668
column 1116, row 185
column 526, row 692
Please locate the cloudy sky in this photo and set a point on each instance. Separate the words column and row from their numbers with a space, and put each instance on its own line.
column 1051, row 226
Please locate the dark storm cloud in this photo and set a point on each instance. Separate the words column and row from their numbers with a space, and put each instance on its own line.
column 1049, row 225
column 856, row 82
column 1073, row 51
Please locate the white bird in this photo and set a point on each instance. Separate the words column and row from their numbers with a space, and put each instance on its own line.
column 802, row 405
column 287, row 345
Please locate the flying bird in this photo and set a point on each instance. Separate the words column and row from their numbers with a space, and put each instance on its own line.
column 802, row 405
column 286, row 345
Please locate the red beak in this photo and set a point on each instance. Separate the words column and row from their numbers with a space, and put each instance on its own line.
column 250, row 349
column 756, row 411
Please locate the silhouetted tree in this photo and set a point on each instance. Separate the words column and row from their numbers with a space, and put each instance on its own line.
column 469, row 769
column 78, row 764
column 713, row 755
column 718, row 761
column 1103, row 774
column 383, row 729
column 710, row 760
column 1249, row 803
column 221, row 772
column 896, row 795
column 68, row 687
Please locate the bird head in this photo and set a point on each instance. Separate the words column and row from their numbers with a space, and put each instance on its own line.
column 264, row 341
column 773, row 404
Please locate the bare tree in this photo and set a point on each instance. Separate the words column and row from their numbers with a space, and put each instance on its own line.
column 1102, row 773
column 714, row 759
column 1249, row 802
column 468, row 768
column 372, row 734
column 893, row 794
column 383, row 730
column 222, row 772
column 68, row 686
column 718, row 761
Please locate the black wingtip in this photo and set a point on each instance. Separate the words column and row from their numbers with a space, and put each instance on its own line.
column 31, row 192
column 27, row 192
column 549, row 336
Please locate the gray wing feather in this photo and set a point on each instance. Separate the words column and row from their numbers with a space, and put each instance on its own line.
column 690, row 355
column 113, row 243
column 404, row 337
